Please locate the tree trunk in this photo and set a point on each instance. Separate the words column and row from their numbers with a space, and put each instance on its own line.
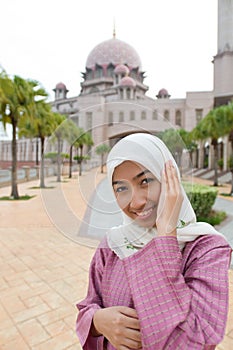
column 14, row 188
column 81, row 159
column 58, row 160
column 42, row 184
column 231, row 183
column 37, row 152
column 215, row 144
column 102, row 163
column 70, row 162
column 231, row 139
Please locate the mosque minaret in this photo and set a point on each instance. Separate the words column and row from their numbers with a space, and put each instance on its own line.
column 223, row 61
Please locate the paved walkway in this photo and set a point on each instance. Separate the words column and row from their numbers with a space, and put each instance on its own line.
column 44, row 265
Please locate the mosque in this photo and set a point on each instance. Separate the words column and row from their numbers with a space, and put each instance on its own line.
column 113, row 102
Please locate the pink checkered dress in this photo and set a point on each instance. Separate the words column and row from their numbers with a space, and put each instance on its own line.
column 181, row 299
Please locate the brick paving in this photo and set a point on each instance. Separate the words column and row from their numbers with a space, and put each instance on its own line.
column 44, row 272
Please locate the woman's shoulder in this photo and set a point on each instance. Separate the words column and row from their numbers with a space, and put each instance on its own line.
column 103, row 249
column 208, row 241
column 214, row 245
column 104, row 243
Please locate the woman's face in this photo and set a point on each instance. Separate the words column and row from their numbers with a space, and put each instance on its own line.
column 137, row 192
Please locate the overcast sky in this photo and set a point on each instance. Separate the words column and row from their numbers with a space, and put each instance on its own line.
column 49, row 40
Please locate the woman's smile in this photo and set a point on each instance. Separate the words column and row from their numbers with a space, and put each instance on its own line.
column 145, row 213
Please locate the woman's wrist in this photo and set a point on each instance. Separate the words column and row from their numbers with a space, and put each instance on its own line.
column 165, row 232
column 95, row 331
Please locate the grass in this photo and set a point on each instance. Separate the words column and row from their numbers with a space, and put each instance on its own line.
column 9, row 198
column 38, row 187
column 214, row 217
column 226, row 194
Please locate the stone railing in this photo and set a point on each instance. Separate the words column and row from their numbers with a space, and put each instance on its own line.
column 24, row 174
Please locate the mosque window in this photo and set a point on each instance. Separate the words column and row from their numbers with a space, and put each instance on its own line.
column 98, row 71
column 132, row 115
column 178, row 120
column 110, row 70
column 166, row 114
column 143, row 115
column 128, row 93
column 76, row 120
column 199, row 114
column 134, row 73
column 89, row 121
column 121, row 117
column 89, row 74
column 110, row 118
column 155, row 115
column 121, row 94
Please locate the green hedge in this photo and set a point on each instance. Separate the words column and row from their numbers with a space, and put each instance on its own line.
column 201, row 197
column 53, row 156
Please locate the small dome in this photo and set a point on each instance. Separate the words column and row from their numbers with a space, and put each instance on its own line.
column 121, row 69
column 61, row 86
column 128, row 81
column 163, row 93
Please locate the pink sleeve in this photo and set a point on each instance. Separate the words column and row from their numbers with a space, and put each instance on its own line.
column 185, row 311
column 89, row 305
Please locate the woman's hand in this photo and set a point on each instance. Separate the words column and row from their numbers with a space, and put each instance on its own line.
column 170, row 201
column 120, row 325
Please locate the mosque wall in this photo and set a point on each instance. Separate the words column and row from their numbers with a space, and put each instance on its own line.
column 223, row 83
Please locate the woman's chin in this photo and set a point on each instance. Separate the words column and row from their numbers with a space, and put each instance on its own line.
column 146, row 223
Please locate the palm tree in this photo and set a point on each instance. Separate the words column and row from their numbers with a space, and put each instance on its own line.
column 175, row 144
column 102, row 150
column 17, row 99
column 84, row 138
column 74, row 132
column 40, row 127
column 188, row 141
column 211, row 126
column 59, row 133
column 226, row 113
column 230, row 165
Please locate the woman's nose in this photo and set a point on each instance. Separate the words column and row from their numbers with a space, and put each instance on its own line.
column 138, row 199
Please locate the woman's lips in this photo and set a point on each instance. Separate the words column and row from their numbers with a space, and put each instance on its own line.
column 144, row 214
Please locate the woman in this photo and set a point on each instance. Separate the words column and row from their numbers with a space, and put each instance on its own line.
column 159, row 280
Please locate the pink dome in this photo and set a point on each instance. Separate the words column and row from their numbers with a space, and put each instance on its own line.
column 113, row 51
column 121, row 69
column 128, row 81
column 61, row 86
column 163, row 92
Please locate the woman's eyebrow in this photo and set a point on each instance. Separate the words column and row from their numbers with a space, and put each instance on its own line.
column 117, row 182
column 142, row 173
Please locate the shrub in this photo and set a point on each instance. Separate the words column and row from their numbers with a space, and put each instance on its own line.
column 214, row 217
column 220, row 163
column 202, row 198
column 81, row 158
column 53, row 156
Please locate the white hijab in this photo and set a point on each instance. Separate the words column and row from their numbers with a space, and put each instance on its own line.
column 150, row 152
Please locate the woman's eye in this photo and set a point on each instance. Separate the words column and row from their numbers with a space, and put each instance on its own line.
column 147, row 181
column 121, row 189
